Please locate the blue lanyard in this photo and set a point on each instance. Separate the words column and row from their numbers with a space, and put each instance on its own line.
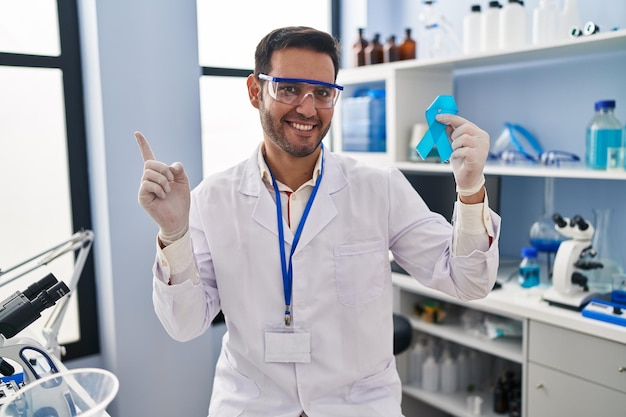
column 286, row 269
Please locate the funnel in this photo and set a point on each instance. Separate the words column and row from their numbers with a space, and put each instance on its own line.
column 84, row 392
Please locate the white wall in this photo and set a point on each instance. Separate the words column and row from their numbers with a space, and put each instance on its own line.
column 141, row 73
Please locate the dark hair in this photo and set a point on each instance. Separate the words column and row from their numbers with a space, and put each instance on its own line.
column 294, row 37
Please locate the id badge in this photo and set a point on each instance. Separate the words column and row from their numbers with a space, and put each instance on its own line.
column 287, row 344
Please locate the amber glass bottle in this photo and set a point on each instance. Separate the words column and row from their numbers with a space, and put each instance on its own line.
column 391, row 52
column 374, row 53
column 359, row 49
column 408, row 47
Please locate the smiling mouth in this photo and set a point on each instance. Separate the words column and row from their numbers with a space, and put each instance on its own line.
column 302, row 127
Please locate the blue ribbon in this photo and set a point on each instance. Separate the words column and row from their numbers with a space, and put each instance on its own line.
column 436, row 133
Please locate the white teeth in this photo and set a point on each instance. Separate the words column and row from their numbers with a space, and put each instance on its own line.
column 302, row 127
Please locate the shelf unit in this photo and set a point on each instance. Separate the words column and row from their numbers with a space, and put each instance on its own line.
column 410, row 88
column 412, row 85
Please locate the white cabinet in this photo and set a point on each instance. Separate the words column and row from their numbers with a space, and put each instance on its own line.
column 573, row 374
column 411, row 86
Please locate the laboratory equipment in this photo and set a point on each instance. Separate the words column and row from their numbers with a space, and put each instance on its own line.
column 83, row 392
column 358, row 49
column 408, row 46
column 529, row 272
column 543, row 236
column 513, row 26
column 471, row 30
column 438, row 38
column 490, row 27
column 604, row 131
column 27, row 359
column 575, row 256
column 364, row 121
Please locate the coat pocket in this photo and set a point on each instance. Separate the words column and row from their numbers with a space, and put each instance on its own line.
column 361, row 270
column 232, row 391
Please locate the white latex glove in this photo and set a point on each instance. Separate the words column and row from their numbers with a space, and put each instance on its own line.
column 470, row 147
column 164, row 193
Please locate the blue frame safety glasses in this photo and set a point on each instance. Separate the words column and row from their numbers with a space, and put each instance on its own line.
column 293, row 91
column 547, row 158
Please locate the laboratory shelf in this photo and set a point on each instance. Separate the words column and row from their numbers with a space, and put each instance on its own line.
column 505, row 347
column 520, row 171
column 455, row 404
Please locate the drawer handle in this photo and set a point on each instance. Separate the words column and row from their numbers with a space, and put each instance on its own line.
column 539, row 386
column 621, row 369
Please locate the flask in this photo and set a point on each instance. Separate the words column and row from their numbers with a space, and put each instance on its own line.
column 490, row 27
column 568, row 19
column 374, row 53
column 408, row 46
column 513, row 26
column 471, row 30
column 430, row 374
column 359, row 49
column 529, row 270
column 603, row 131
column 544, row 23
column 391, row 52
column 603, row 242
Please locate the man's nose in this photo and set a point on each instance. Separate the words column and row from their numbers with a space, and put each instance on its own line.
column 307, row 107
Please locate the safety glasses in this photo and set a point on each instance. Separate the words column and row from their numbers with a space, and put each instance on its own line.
column 294, row 91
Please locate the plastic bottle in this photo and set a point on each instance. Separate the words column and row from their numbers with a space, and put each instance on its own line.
column 358, row 49
column 449, row 375
column 513, row 26
column 568, row 18
column 462, row 369
column 408, row 46
column 500, row 397
column 490, row 27
column 374, row 53
column 391, row 52
column 545, row 23
column 603, row 131
column 471, row 30
column 430, row 374
column 416, row 361
column 529, row 271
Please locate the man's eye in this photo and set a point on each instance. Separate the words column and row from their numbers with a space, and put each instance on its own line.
column 323, row 92
column 289, row 89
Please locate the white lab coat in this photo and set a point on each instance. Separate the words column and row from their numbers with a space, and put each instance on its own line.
column 341, row 287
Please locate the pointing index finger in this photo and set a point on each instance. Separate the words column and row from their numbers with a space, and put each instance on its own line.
column 144, row 147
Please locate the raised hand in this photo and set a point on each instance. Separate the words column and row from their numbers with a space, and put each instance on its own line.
column 470, row 146
column 164, row 193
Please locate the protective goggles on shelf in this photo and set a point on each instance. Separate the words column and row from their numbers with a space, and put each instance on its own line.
column 294, row 91
column 547, row 158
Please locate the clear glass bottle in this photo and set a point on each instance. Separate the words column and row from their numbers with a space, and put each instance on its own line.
column 529, row 271
column 601, row 279
column 603, row 131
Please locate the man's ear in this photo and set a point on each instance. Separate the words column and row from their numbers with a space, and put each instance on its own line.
column 254, row 90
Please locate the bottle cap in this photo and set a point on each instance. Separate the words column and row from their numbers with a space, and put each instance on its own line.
column 475, row 7
column 605, row 104
column 529, row 252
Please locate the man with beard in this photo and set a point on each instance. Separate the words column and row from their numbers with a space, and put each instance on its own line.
column 293, row 246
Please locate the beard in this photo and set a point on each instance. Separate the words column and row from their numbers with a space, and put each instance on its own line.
column 275, row 130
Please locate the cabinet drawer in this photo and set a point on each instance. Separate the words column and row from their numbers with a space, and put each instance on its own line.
column 598, row 360
column 552, row 393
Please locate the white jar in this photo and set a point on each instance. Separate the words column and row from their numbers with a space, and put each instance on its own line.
column 545, row 23
column 568, row 18
column 513, row 26
column 471, row 30
column 449, row 375
column 490, row 27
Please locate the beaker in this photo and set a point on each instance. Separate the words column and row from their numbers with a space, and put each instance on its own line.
column 543, row 235
column 83, row 392
column 601, row 279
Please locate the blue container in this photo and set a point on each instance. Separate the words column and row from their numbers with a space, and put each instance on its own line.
column 604, row 131
column 363, row 122
column 529, row 270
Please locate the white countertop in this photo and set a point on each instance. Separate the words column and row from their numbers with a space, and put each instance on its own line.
column 514, row 301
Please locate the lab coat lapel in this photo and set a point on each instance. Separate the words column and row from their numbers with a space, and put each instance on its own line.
column 264, row 211
column 323, row 209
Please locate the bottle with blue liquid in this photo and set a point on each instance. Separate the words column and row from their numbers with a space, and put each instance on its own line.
column 529, row 270
column 604, row 131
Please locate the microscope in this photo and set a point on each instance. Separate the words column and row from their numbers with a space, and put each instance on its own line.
column 573, row 258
